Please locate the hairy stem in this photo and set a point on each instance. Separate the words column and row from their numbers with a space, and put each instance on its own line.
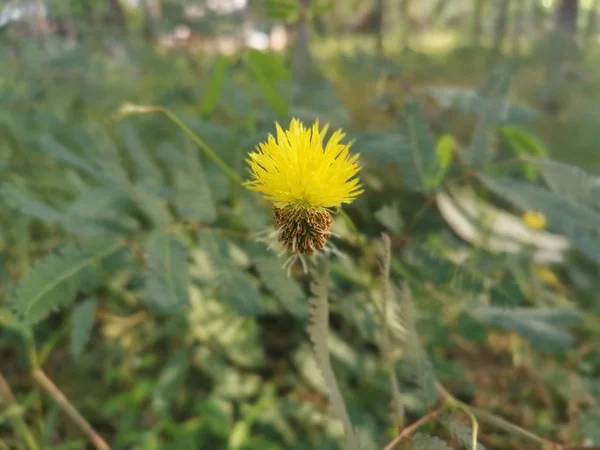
column 51, row 389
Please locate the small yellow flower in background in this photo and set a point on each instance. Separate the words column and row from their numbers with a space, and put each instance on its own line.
column 549, row 277
column 302, row 178
column 535, row 220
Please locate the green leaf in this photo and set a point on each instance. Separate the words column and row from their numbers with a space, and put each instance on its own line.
column 390, row 218
column 145, row 168
column 23, row 202
column 193, row 196
column 57, row 150
column 569, row 182
column 520, row 143
column 82, row 322
column 420, row 165
column 236, row 287
column 213, row 90
column 154, row 207
column 494, row 91
column 403, row 325
column 423, row 441
column 444, row 149
column 590, row 424
column 461, row 432
column 320, row 6
column 318, row 99
column 99, row 210
column 167, row 279
column 240, row 292
column 267, row 72
column 286, row 10
column 286, row 289
column 53, row 283
column 468, row 101
column 538, row 326
column 170, row 380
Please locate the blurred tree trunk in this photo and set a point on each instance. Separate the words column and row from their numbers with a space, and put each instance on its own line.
column 520, row 18
column 591, row 26
column 405, row 23
column 152, row 13
column 565, row 19
column 500, row 25
column 477, row 24
column 379, row 9
column 116, row 13
column 538, row 17
column 302, row 59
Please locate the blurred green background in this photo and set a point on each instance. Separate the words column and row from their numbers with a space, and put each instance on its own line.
column 132, row 281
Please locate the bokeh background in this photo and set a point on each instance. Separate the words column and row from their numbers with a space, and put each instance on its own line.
column 131, row 279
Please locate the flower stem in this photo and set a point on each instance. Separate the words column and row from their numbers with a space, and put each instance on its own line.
column 128, row 109
column 48, row 385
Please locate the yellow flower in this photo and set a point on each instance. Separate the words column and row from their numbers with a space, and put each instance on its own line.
column 295, row 169
column 548, row 277
column 301, row 177
column 535, row 220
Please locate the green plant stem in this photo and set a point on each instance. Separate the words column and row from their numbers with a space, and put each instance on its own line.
column 135, row 109
column 501, row 423
column 51, row 389
column 19, row 424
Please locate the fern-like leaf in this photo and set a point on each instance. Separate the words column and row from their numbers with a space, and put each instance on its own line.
column 494, row 107
column 421, row 369
column 146, row 169
column 54, row 282
column 82, row 321
column 235, row 286
column 22, row 201
column 318, row 330
column 421, row 163
column 241, row 292
column 569, row 182
column 286, row 289
column 422, row 441
column 461, row 432
column 389, row 318
column 57, row 150
column 167, row 280
column 539, row 326
column 193, row 197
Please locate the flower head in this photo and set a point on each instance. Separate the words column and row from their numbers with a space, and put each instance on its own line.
column 296, row 169
column 534, row 220
column 302, row 177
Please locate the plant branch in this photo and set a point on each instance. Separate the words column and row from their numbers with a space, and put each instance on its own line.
column 412, row 428
column 501, row 423
column 51, row 389
column 19, row 424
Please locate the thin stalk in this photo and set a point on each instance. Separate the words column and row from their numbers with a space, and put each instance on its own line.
column 51, row 389
column 408, row 431
column 128, row 109
column 18, row 423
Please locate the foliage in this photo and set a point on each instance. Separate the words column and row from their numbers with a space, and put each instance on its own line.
column 134, row 278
